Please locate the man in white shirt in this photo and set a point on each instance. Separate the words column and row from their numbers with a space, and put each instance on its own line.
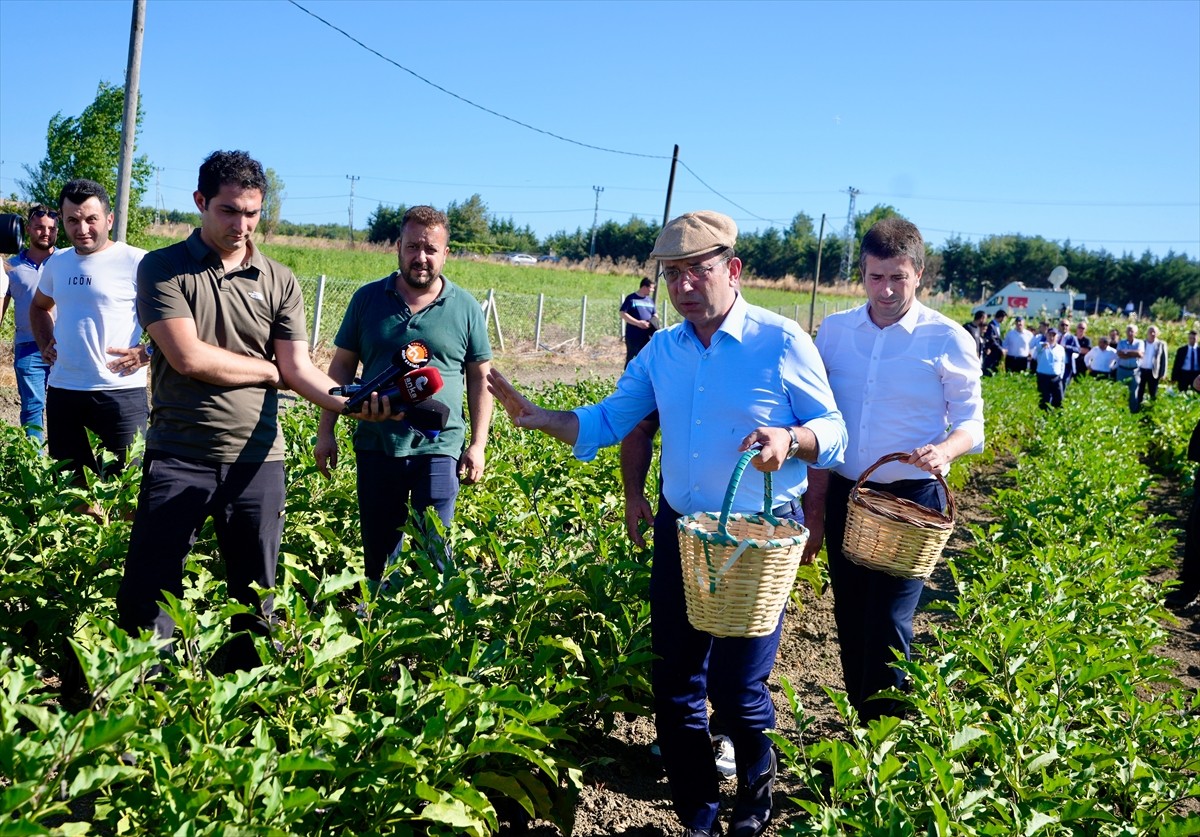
column 1152, row 367
column 1016, row 347
column 907, row 379
column 85, row 322
column 1102, row 361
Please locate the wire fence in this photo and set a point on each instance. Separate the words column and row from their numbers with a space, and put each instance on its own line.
column 526, row 321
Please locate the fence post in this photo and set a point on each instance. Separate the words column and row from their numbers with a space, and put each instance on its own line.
column 495, row 315
column 796, row 313
column 583, row 321
column 537, row 326
column 318, row 303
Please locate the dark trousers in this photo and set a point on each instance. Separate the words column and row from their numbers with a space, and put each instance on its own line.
column 116, row 416
column 387, row 487
column 691, row 665
column 1185, row 379
column 1050, row 390
column 1147, row 385
column 1016, row 364
column 873, row 610
column 1189, row 572
column 246, row 503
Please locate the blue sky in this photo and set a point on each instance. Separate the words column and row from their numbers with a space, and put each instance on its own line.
column 1070, row 120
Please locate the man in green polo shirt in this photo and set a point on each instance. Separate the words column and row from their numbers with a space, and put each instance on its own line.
column 398, row 466
column 228, row 331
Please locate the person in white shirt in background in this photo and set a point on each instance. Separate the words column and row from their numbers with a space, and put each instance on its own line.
column 85, row 321
column 1152, row 368
column 1102, row 360
column 1016, row 347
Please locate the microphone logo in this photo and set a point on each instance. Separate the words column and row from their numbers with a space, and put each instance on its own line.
column 416, row 354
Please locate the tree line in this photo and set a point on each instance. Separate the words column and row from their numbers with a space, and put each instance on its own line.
column 88, row 146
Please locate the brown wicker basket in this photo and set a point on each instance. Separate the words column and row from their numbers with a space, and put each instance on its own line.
column 738, row 569
column 894, row 535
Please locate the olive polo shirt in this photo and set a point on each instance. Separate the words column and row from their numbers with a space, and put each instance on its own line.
column 242, row 311
column 378, row 322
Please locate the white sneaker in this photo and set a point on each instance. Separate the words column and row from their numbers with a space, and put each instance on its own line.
column 723, row 755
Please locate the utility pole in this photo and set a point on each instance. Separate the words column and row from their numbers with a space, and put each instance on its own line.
column 595, row 219
column 137, row 29
column 848, row 235
column 352, row 178
column 159, row 207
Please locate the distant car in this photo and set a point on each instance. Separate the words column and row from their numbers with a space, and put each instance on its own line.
column 521, row 258
column 1088, row 306
column 549, row 258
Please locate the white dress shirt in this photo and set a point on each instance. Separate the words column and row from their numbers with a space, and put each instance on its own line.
column 910, row 384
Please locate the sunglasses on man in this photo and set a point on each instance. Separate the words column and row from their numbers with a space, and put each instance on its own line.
column 42, row 213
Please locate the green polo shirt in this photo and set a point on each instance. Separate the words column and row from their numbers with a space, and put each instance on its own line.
column 242, row 311
column 378, row 322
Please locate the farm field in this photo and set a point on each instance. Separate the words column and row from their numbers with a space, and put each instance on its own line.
column 1054, row 695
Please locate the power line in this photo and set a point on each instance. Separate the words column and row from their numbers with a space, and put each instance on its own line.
column 467, row 101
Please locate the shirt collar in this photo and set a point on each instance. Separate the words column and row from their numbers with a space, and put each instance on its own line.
column 734, row 323
column 389, row 286
column 862, row 317
column 202, row 253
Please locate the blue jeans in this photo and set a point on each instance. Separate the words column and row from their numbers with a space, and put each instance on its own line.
column 32, row 373
column 873, row 610
column 691, row 666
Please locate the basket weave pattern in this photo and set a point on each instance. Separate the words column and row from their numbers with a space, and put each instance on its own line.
column 738, row 569
column 894, row 535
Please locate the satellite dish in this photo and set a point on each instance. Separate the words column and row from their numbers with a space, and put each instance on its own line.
column 1058, row 277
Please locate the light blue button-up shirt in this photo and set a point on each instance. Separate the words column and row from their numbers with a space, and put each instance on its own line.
column 760, row 370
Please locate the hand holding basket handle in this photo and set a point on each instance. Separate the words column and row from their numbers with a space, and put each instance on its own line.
column 894, row 535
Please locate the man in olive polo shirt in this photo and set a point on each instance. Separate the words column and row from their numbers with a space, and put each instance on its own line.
column 397, row 465
column 228, row 330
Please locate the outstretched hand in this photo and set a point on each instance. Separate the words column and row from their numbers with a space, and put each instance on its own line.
column 522, row 411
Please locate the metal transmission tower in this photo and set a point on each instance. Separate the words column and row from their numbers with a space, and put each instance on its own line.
column 352, row 178
column 595, row 218
column 848, row 235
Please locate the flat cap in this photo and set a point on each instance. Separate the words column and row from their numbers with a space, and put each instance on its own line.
column 693, row 234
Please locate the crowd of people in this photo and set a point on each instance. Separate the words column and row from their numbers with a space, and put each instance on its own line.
column 221, row 328
column 1057, row 355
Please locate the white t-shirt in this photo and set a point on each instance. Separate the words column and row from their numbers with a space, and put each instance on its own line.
column 95, row 307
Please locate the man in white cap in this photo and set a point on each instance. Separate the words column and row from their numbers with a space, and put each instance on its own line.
column 729, row 377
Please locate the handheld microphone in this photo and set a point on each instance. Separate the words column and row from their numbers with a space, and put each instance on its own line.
column 411, row 356
column 429, row 417
column 412, row 387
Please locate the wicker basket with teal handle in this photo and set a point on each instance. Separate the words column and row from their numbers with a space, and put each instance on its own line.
column 738, row 569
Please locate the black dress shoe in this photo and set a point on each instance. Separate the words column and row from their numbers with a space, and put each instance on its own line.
column 715, row 831
column 752, row 811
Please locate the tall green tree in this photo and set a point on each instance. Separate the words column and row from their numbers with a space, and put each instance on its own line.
column 469, row 224
column 89, row 145
column 383, row 227
column 272, row 204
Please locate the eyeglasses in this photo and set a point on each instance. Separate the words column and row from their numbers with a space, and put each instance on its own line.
column 698, row 272
column 42, row 213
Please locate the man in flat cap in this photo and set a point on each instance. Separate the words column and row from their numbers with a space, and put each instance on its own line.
column 729, row 377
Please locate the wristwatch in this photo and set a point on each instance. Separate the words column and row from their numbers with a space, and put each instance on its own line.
column 794, row 447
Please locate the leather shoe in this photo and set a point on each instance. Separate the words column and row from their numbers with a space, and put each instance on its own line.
column 753, row 808
column 715, row 831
